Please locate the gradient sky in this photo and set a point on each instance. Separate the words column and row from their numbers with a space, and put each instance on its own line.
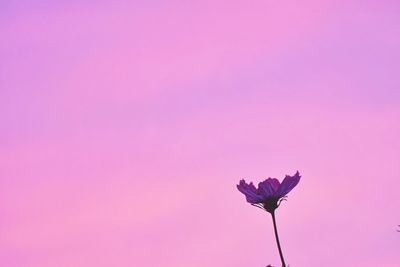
column 126, row 125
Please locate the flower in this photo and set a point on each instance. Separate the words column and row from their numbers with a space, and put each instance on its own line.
column 270, row 192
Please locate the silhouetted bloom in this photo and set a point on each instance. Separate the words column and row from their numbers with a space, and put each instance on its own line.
column 270, row 192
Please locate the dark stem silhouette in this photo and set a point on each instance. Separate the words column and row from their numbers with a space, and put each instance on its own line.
column 277, row 239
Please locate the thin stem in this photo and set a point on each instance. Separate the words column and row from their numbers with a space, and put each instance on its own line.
column 277, row 240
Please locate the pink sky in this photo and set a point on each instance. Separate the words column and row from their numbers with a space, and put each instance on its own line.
column 126, row 125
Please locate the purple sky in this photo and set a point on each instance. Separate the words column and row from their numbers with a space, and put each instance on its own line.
column 126, row 125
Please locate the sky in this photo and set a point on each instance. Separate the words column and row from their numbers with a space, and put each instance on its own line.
column 126, row 125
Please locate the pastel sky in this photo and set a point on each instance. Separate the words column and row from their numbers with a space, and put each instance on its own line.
column 126, row 125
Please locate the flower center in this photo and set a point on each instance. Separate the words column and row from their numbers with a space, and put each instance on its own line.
column 270, row 204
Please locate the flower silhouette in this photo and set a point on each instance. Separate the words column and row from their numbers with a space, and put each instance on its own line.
column 268, row 196
column 270, row 192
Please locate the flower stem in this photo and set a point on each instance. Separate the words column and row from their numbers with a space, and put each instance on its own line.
column 277, row 240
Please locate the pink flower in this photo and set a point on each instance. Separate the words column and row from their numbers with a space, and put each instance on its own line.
column 270, row 192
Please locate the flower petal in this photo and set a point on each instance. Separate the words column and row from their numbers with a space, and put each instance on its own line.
column 268, row 187
column 250, row 191
column 275, row 184
column 288, row 184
